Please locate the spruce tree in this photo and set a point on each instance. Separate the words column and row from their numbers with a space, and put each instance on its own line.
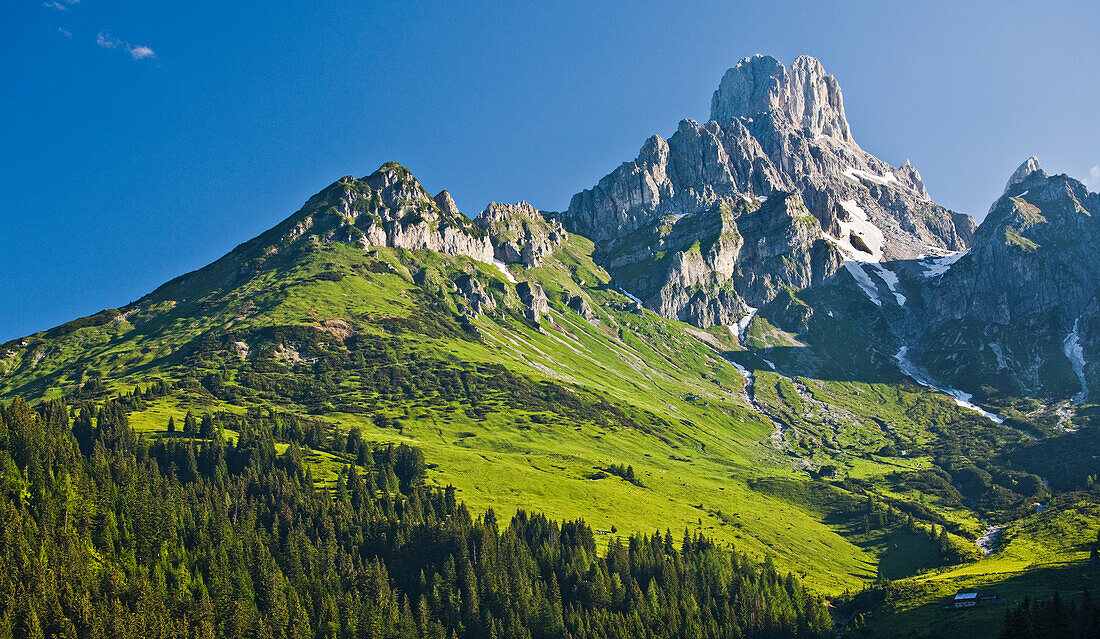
column 190, row 426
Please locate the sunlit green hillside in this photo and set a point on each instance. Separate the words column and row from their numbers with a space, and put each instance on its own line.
column 831, row 462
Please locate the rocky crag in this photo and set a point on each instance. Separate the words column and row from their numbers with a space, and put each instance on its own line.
column 702, row 268
column 391, row 208
column 520, row 233
column 772, row 132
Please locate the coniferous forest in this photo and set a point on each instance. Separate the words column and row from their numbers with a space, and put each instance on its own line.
column 1053, row 617
column 107, row 534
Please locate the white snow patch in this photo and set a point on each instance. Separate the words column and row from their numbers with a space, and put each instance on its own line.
column 936, row 266
column 854, row 259
column 1071, row 346
column 746, row 373
column 1024, row 193
column 857, row 174
column 632, row 297
column 918, row 375
column 862, row 226
column 743, row 324
column 504, row 269
column 864, row 281
column 891, row 280
column 741, row 369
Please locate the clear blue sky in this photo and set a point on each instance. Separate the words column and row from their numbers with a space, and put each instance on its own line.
column 142, row 140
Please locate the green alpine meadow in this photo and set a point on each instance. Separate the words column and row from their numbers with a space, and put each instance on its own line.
column 754, row 383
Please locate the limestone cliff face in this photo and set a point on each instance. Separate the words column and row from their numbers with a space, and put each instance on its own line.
column 389, row 208
column 806, row 96
column 771, row 131
column 711, row 267
column 520, row 233
column 687, row 173
column 478, row 300
column 1027, row 294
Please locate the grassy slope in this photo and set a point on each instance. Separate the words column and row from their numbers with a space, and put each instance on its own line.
column 714, row 465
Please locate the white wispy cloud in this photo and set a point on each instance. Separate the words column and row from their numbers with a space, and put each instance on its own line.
column 65, row 32
column 141, row 52
column 1093, row 181
column 105, row 40
column 137, row 52
column 60, row 5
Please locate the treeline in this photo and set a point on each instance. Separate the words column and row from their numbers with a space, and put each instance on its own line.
column 1053, row 617
column 883, row 513
column 367, row 373
column 104, row 534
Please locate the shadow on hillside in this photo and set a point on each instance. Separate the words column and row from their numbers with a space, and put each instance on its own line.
column 937, row 617
column 872, row 367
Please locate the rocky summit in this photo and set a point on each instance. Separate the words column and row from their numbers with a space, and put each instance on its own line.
column 389, row 208
column 807, row 96
column 772, row 133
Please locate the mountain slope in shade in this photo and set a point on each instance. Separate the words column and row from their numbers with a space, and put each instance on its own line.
column 1020, row 311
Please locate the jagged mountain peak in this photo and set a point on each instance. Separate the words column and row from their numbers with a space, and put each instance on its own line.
column 1030, row 165
column 806, row 95
column 447, row 203
column 389, row 207
column 773, row 129
column 395, row 185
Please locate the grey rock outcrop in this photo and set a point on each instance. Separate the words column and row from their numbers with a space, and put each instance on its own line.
column 807, row 96
column 710, row 267
column 579, row 305
column 520, row 233
column 446, row 203
column 534, row 299
column 478, row 300
column 1022, row 172
column 1030, row 280
column 388, row 208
